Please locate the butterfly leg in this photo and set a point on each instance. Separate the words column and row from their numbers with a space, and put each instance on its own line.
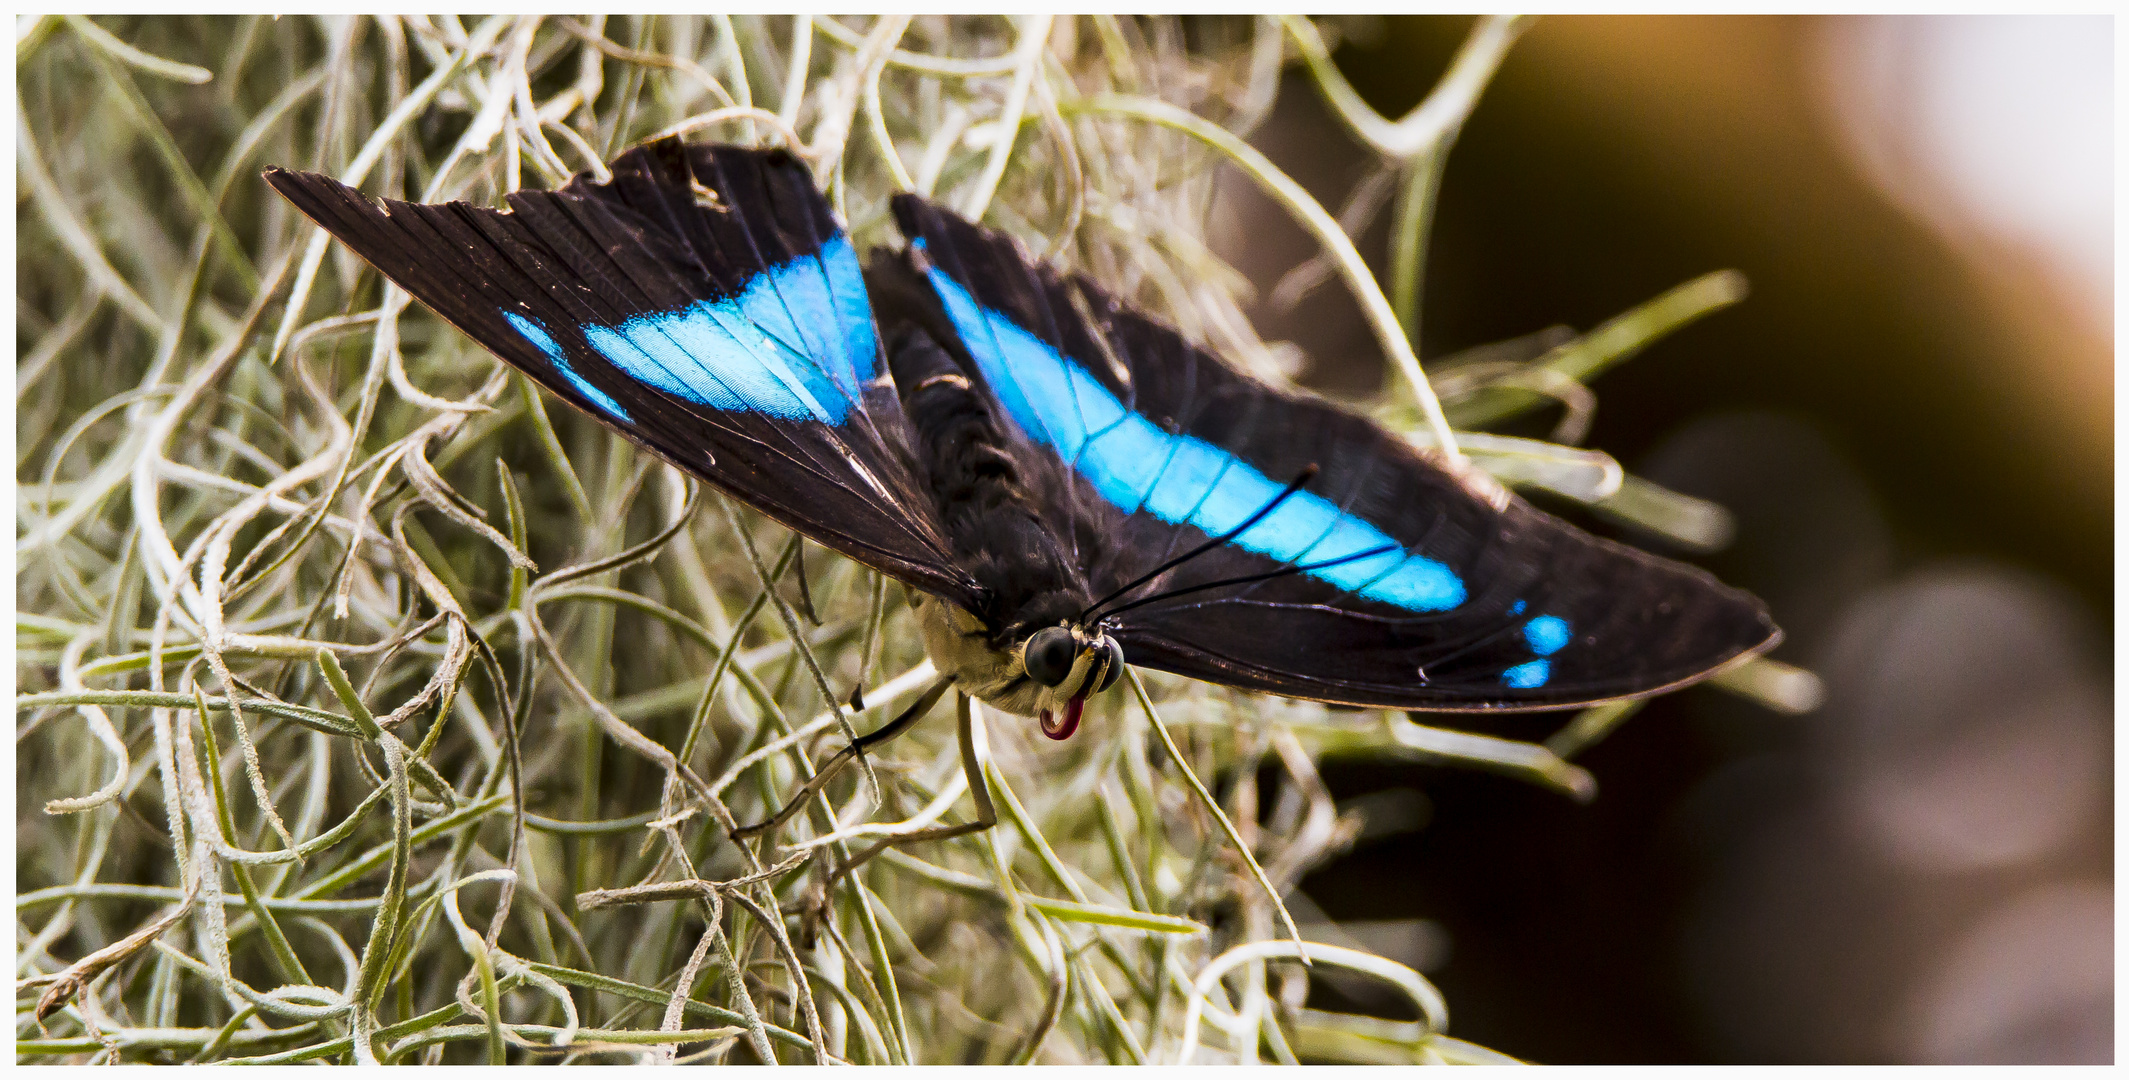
column 846, row 755
column 973, row 750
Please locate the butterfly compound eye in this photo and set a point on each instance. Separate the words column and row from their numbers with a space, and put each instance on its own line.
column 1115, row 666
column 1048, row 655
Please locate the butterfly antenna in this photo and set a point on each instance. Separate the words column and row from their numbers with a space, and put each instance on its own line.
column 1247, row 579
column 1307, row 474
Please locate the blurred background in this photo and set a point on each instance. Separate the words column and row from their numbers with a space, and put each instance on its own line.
column 1911, row 417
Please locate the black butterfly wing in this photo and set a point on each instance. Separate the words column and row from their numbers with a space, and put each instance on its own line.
column 703, row 303
column 1386, row 581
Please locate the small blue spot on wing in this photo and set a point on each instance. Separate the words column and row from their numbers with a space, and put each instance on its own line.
column 541, row 340
column 1546, row 634
column 1528, row 676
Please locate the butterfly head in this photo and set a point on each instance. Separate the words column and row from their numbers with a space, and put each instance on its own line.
column 1069, row 663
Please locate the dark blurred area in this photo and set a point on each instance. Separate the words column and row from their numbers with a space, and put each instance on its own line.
column 1911, row 417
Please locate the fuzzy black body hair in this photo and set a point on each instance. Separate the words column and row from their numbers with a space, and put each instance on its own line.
column 993, row 517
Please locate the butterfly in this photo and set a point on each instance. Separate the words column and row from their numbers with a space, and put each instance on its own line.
column 1064, row 483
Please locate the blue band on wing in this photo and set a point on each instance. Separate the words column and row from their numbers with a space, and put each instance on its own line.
column 543, row 341
column 1179, row 478
column 819, row 311
column 798, row 344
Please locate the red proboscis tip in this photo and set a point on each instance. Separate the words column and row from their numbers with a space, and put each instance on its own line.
column 1062, row 728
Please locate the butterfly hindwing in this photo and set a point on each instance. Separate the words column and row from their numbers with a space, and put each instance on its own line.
column 1387, row 580
column 704, row 303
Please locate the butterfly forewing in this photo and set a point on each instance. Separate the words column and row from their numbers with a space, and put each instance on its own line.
column 704, row 303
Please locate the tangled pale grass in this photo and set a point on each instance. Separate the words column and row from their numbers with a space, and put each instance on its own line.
column 412, row 716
